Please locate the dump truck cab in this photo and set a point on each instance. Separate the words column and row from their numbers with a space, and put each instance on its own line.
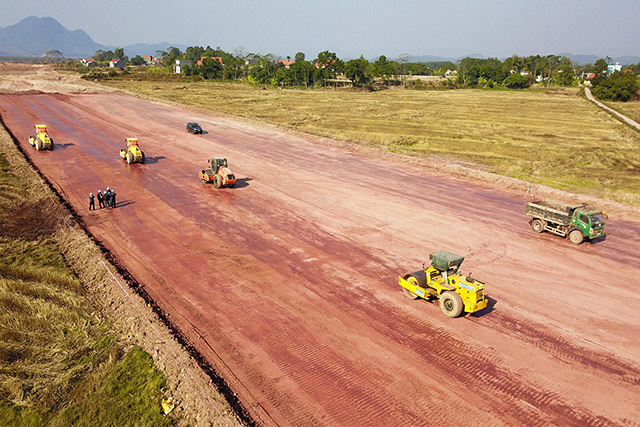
column 218, row 173
column 132, row 153
column 443, row 280
column 41, row 140
column 589, row 221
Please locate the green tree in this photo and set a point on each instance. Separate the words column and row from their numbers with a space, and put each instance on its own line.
column 262, row 68
column 599, row 69
column 327, row 66
column 137, row 60
column 564, row 75
column 103, row 55
column 620, row 86
column 169, row 56
column 471, row 70
column 516, row 81
column 357, row 70
column 382, row 68
column 210, row 69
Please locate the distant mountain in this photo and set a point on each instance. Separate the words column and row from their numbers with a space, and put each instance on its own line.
column 149, row 49
column 580, row 59
column 35, row 36
column 590, row 59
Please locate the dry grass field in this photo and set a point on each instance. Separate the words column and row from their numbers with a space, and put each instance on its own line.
column 553, row 137
column 629, row 109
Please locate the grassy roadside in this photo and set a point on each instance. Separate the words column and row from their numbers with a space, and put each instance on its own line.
column 61, row 363
column 551, row 137
column 629, row 109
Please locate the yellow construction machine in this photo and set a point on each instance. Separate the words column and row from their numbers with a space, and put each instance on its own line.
column 41, row 140
column 443, row 280
column 132, row 153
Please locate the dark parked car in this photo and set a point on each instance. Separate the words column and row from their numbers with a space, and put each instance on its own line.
column 194, row 128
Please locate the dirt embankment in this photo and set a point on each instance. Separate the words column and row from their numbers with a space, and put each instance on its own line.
column 37, row 78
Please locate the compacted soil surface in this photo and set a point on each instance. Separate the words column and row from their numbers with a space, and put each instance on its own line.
column 288, row 283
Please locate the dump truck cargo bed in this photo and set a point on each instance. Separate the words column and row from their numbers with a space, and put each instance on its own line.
column 549, row 211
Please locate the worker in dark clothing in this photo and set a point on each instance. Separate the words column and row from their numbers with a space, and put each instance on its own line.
column 113, row 199
column 100, row 199
column 107, row 198
column 92, row 202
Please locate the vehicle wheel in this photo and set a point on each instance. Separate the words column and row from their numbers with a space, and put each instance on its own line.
column 129, row 157
column 537, row 226
column 142, row 157
column 451, row 304
column 576, row 237
column 407, row 293
column 217, row 181
column 38, row 145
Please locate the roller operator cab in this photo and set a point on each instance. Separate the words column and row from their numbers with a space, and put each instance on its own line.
column 218, row 173
column 133, row 153
column 41, row 140
column 444, row 281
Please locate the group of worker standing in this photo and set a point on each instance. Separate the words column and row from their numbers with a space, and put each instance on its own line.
column 106, row 200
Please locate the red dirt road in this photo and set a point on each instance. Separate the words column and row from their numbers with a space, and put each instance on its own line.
column 287, row 284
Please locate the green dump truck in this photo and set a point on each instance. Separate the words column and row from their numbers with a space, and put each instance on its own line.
column 577, row 223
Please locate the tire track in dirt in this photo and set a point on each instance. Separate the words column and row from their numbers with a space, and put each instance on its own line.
column 554, row 345
column 484, row 374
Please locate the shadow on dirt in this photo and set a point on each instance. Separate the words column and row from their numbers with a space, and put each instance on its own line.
column 488, row 309
column 124, row 203
column 64, row 146
column 152, row 160
column 242, row 182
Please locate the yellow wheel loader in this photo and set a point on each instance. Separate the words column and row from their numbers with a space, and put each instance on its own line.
column 41, row 140
column 132, row 154
column 444, row 281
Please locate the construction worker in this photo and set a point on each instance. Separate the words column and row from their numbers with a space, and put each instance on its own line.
column 100, row 199
column 107, row 198
column 92, row 202
column 113, row 199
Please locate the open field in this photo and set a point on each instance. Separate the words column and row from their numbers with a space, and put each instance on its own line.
column 553, row 137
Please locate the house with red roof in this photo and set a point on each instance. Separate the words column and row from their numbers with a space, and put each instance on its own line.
column 217, row 58
column 286, row 62
column 116, row 63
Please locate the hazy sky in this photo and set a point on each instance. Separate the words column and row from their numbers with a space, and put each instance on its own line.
column 449, row 28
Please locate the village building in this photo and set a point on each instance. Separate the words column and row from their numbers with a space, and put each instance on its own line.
column 216, row 58
column 116, row 63
column 181, row 65
column 286, row 62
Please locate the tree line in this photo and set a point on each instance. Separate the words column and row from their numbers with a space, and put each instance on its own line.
column 515, row 72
